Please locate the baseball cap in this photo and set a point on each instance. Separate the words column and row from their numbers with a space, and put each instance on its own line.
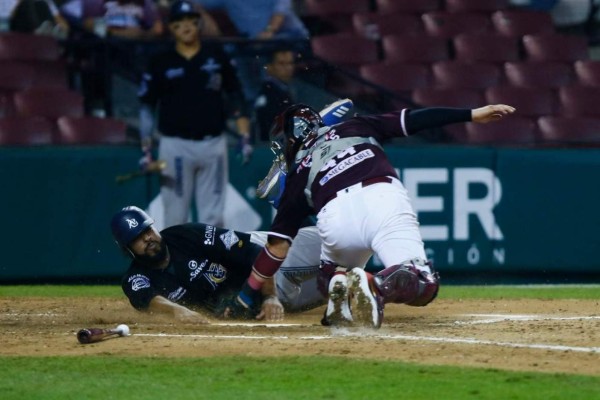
column 182, row 8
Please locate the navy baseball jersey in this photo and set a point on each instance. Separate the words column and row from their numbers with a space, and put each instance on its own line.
column 353, row 165
column 205, row 263
column 189, row 93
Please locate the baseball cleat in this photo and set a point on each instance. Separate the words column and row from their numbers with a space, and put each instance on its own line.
column 366, row 305
column 334, row 112
column 338, row 309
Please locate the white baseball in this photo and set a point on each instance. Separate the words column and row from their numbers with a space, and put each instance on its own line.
column 124, row 330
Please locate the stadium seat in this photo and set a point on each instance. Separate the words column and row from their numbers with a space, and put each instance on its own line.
column 345, row 48
column 579, row 101
column 386, row 24
column 555, row 47
column 28, row 47
column 458, row 97
column 406, row 6
column 15, row 76
column 336, row 13
column 588, row 72
column 476, row 5
column 457, row 74
column 49, row 73
column 538, row 74
column 91, row 130
column 415, row 48
column 529, row 102
column 446, row 25
column 25, row 131
column 485, row 47
column 335, row 7
column 514, row 130
column 397, row 77
column 561, row 130
column 522, row 22
column 51, row 103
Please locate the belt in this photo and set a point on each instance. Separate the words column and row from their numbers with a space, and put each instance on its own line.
column 365, row 183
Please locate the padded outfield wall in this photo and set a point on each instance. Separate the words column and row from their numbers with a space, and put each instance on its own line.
column 485, row 213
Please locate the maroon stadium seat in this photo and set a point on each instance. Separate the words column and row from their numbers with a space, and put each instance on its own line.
column 588, row 72
column 538, row 74
column 397, row 77
column 23, row 131
column 514, row 130
column 335, row 7
column 345, row 49
column 458, row 97
column 555, row 47
column 336, row 13
column 386, row 24
column 406, row 6
column 486, row 47
column 51, row 103
column 522, row 22
column 415, row 48
column 529, row 102
column 579, row 101
column 559, row 130
column 446, row 25
column 15, row 76
column 91, row 130
column 476, row 5
column 49, row 73
column 28, row 47
column 458, row 74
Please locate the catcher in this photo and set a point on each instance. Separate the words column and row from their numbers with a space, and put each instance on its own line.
column 188, row 270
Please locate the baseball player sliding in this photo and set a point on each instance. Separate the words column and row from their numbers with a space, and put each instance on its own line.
column 342, row 174
column 186, row 270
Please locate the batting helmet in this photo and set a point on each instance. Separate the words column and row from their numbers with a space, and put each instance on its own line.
column 297, row 122
column 128, row 224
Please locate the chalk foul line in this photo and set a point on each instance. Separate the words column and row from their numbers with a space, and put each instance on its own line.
column 472, row 341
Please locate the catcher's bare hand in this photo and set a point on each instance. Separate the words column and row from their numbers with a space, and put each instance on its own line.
column 271, row 309
column 490, row 113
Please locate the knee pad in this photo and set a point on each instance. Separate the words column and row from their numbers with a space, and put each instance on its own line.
column 407, row 284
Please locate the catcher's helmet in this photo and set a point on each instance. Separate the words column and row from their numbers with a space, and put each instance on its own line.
column 297, row 122
column 128, row 224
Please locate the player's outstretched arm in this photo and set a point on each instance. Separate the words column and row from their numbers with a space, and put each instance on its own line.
column 163, row 306
column 491, row 113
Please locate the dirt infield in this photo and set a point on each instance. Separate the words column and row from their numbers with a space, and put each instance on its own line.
column 532, row 335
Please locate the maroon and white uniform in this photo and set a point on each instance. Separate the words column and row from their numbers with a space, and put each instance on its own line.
column 361, row 205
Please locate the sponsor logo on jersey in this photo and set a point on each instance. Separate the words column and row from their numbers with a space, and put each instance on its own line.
column 139, row 282
column 177, row 294
column 210, row 66
column 173, row 73
column 196, row 268
column 346, row 164
column 131, row 222
column 209, row 235
column 216, row 273
column 229, row 238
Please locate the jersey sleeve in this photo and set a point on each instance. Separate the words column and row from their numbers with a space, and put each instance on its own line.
column 233, row 87
column 138, row 288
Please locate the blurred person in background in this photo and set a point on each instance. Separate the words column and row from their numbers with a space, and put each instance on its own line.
column 132, row 19
column 275, row 93
column 195, row 89
column 32, row 16
column 258, row 19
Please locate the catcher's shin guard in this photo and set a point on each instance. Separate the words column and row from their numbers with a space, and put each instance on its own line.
column 407, row 284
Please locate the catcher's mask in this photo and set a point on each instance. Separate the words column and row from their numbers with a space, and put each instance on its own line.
column 128, row 224
column 291, row 128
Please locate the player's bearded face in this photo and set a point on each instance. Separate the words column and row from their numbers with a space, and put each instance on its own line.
column 149, row 248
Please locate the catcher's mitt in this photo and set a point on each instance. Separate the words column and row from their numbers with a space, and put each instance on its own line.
column 231, row 307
